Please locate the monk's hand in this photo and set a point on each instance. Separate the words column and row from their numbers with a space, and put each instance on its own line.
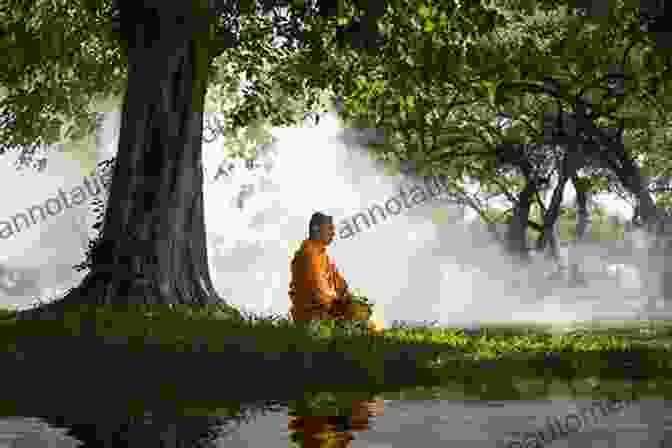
column 325, row 301
column 347, row 296
column 339, row 305
column 344, row 294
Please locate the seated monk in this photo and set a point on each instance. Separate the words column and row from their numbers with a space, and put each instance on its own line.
column 317, row 290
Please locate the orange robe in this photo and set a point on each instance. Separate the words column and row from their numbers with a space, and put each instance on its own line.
column 323, row 431
column 316, row 283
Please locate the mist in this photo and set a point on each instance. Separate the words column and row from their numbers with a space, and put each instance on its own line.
column 428, row 263
column 415, row 270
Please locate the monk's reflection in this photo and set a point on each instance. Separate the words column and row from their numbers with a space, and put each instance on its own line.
column 315, row 431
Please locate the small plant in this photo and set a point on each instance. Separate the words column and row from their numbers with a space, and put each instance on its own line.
column 99, row 208
column 361, row 299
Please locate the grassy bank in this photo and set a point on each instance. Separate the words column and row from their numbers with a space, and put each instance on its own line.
column 173, row 352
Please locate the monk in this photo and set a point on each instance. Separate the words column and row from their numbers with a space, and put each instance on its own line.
column 317, row 290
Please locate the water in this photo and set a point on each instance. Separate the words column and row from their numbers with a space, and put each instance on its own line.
column 431, row 418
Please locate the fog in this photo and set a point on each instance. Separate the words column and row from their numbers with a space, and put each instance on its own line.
column 414, row 269
column 428, row 263
column 43, row 251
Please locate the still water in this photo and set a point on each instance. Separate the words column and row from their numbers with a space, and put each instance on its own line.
column 414, row 418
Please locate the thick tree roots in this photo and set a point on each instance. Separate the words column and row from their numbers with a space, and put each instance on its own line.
column 98, row 290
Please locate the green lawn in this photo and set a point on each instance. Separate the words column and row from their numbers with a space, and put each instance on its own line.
column 328, row 353
column 173, row 327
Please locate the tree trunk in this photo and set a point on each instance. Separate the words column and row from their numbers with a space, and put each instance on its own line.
column 654, row 219
column 583, row 226
column 549, row 234
column 583, row 219
column 153, row 248
column 517, row 232
column 631, row 177
column 569, row 164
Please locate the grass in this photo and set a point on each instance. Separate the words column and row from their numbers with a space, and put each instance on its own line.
column 159, row 341
column 176, row 327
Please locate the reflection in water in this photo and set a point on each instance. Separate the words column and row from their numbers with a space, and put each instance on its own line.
column 147, row 430
column 160, row 430
column 165, row 429
column 317, row 431
column 336, row 419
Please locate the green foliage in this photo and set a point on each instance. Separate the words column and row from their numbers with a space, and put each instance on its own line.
column 363, row 300
column 498, row 216
column 248, row 95
column 82, row 150
column 99, row 208
column 158, row 324
column 439, row 75
column 62, row 58
column 602, row 228
column 272, row 93
column 443, row 120
column 58, row 60
column 578, row 354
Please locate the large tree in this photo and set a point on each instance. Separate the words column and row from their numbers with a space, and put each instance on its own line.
column 426, row 71
column 160, row 56
column 152, row 249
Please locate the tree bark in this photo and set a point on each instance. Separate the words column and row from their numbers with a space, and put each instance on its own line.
column 570, row 163
column 583, row 223
column 549, row 234
column 517, row 231
column 583, row 219
column 631, row 177
column 653, row 219
column 153, row 248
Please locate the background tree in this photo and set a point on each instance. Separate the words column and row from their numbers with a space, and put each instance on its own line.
column 394, row 92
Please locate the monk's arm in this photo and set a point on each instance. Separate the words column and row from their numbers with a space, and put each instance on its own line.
column 342, row 290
